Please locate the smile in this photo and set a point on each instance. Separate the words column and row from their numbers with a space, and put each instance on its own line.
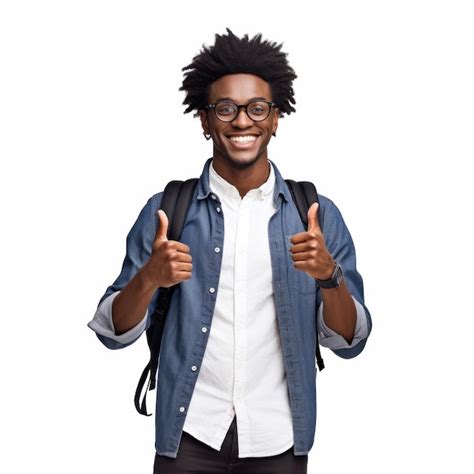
column 243, row 138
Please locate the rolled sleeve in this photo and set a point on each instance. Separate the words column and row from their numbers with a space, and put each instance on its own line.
column 333, row 340
column 102, row 324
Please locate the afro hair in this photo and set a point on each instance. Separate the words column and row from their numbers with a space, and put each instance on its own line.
column 232, row 55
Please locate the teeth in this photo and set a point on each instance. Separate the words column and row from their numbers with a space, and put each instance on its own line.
column 243, row 139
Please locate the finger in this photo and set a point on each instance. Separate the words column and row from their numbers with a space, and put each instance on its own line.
column 305, row 246
column 181, row 257
column 300, row 237
column 184, row 267
column 162, row 226
column 303, row 256
column 175, row 246
column 313, row 222
column 180, row 276
column 182, row 248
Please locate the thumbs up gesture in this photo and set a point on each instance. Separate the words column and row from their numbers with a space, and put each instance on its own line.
column 170, row 261
column 309, row 252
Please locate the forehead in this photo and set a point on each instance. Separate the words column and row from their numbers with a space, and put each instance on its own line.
column 240, row 88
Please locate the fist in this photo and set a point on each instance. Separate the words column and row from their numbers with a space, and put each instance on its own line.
column 309, row 252
column 170, row 261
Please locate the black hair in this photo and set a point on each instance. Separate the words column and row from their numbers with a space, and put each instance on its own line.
column 231, row 55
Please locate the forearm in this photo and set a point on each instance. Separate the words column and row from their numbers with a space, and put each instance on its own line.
column 131, row 304
column 339, row 311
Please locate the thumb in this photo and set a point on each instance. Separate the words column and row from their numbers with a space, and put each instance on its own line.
column 313, row 223
column 162, row 226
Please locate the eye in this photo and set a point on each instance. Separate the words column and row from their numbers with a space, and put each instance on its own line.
column 258, row 108
column 225, row 108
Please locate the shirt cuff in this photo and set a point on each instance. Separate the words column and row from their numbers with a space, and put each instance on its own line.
column 333, row 340
column 102, row 323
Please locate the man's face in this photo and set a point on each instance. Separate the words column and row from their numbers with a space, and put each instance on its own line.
column 241, row 89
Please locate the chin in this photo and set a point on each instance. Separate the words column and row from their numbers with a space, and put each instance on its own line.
column 244, row 160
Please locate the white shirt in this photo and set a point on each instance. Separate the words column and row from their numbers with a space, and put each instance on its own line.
column 242, row 372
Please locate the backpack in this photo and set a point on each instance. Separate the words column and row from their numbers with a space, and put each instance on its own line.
column 176, row 201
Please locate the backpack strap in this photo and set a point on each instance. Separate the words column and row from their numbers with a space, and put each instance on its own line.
column 304, row 194
column 175, row 201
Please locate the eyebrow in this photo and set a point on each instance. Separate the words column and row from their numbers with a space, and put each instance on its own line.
column 233, row 100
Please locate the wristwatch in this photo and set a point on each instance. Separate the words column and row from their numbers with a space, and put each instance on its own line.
column 334, row 281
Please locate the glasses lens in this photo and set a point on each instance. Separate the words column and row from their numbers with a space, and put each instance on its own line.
column 258, row 110
column 226, row 110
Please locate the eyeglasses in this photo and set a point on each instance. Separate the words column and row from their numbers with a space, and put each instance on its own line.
column 256, row 110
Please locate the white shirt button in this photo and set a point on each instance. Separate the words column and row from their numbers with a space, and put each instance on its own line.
column 217, row 250
column 218, row 209
column 212, row 289
column 213, row 196
column 181, row 409
column 194, row 368
column 204, row 329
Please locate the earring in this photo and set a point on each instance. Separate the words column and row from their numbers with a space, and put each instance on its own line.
column 274, row 134
column 207, row 135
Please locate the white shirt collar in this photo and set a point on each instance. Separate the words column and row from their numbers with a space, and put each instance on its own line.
column 222, row 187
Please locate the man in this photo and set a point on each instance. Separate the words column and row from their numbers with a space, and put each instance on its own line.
column 236, row 380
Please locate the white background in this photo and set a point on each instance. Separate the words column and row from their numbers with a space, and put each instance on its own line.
column 92, row 124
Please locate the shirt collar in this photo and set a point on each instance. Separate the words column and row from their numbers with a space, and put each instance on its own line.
column 275, row 183
column 222, row 187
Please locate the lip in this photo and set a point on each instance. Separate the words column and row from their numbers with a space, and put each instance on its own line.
column 242, row 146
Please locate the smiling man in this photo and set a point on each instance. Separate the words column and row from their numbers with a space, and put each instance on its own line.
column 236, row 384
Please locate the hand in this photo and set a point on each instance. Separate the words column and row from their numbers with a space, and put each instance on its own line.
column 309, row 253
column 170, row 261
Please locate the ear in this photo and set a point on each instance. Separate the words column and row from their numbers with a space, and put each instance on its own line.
column 204, row 121
column 275, row 119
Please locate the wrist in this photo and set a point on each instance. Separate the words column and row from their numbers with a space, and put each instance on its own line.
column 334, row 280
column 147, row 283
column 329, row 271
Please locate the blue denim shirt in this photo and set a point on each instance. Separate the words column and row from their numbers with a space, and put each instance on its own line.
column 297, row 298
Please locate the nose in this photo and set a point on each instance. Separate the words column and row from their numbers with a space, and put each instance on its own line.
column 242, row 120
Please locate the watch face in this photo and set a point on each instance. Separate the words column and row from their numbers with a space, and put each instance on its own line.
column 338, row 275
column 337, row 278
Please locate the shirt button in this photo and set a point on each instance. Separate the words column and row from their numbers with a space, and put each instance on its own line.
column 194, row 368
column 218, row 209
column 217, row 250
column 204, row 329
column 212, row 289
column 181, row 409
column 213, row 196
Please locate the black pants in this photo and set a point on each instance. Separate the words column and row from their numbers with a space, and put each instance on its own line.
column 196, row 457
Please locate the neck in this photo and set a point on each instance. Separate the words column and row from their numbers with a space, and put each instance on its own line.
column 244, row 179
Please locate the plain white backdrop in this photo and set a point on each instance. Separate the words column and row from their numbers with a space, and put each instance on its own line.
column 92, row 124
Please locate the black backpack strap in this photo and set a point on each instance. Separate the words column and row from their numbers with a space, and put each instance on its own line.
column 175, row 201
column 304, row 194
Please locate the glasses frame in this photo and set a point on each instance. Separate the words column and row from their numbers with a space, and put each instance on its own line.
column 243, row 106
